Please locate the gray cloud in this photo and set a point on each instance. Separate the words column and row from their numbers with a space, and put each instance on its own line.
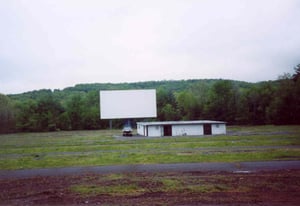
column 54, row 44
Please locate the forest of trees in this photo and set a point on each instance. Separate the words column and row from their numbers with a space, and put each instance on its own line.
column 236, row 102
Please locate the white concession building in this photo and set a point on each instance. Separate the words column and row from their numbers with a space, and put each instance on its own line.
column 181, row 128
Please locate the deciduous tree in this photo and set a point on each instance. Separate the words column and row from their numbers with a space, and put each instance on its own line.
column 7, row 114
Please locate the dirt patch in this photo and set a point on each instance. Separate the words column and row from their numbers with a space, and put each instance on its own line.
column 280, row 187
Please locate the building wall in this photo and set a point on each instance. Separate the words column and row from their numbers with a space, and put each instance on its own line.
column 218, row 129
column 150, row 130
column 140, row 130
column 179, row 130
column 182, row 130
column 155, row 130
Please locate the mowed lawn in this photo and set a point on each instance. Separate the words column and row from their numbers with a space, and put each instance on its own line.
column 91, row 148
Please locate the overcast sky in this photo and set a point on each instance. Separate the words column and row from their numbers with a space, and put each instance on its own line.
column 59, row 43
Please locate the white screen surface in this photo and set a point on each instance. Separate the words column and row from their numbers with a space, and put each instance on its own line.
column 121, row 104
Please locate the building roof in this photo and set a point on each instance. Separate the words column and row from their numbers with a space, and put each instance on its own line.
column 180, row 122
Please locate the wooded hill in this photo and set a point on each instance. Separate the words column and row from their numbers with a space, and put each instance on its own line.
column 236, row 102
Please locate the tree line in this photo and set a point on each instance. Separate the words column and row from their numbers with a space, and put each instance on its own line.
column 236, row 102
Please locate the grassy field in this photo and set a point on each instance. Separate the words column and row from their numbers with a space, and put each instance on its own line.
column 89, row 148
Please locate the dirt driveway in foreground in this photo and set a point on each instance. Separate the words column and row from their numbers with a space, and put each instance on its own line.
column 280, row 187
column 246, row 183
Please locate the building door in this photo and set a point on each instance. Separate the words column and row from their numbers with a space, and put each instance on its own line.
column 167, row 130
column 207, row 129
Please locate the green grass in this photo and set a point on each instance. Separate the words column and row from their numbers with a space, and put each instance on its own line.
column 130, row 185
column 87, row 148
column 112, row 190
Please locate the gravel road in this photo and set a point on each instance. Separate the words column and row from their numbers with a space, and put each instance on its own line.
column 238, row 167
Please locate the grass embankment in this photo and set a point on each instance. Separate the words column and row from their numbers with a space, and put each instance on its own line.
column 191, row 188
column 198, row 183
column 133, row 185
column 87, row 148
